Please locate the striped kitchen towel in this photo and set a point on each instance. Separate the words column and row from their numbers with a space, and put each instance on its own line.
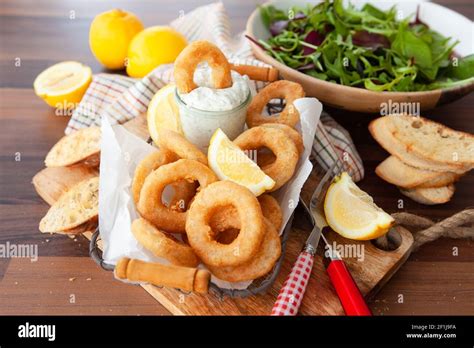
column 123, row 98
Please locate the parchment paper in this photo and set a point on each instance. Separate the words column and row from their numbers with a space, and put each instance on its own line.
column 121, row 151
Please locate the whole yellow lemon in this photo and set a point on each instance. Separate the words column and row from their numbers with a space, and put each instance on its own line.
column 110, row 35
column 152, row 47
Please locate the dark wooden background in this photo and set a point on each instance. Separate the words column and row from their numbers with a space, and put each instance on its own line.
column 64, row 280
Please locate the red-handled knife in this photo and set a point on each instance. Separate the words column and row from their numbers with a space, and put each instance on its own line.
column 291, row 294
column 349, row 294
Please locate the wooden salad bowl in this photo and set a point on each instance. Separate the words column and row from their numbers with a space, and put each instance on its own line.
column 439, row 18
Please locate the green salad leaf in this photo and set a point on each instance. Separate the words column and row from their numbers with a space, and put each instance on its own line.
column 463, row 69
column 367, row 47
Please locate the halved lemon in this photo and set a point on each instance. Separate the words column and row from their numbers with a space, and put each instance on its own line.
column 63, row 85
column 229, row 162
column 352, row 213
column 163, row 112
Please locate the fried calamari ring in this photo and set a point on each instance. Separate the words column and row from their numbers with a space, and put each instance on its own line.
column 228, row 216
column 265, row 158
column 191, row 56
column 183, row 191
column 271, row 210
column 290, row 91
column 223, row 217
column 146, row 166
column 150, row 205
column 294, row 135
column 260, row 264
column 179, row 145
column 163, row 245
column 280, row 144
column 200, row 234
column 227, row 236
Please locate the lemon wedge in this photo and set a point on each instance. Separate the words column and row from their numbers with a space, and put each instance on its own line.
column 163, row 112
column 229, row 162
column 352, row 213
column 63, row 85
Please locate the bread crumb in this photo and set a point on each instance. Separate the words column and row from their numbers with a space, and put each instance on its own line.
column 72, row 279
column 89, row 279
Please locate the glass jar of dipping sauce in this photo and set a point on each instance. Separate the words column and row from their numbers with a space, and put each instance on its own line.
column 199, row 125
column 205, row 109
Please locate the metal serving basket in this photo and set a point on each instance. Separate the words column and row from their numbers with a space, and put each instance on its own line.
column 258, row 286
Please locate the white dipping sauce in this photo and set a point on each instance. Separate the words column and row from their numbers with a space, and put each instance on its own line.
column 207, row 98
column 205, row 109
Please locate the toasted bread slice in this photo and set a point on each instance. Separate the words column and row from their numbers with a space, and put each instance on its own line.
column 89, row 226
column 424, row 144
column 51, row 183
column 75, row 207
column 83, row 145
column 430, row 196
column 398, row 173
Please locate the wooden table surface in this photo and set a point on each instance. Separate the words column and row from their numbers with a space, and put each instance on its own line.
column 64, row 280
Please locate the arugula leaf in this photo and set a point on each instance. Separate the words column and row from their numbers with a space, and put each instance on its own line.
column 318, row 75
column 463, row 70
column 408, row 45
column 265, row 14
column 270, row 14
column 374, row 11
column 449, row 83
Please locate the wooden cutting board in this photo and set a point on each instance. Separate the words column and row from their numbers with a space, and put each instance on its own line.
column 370, row 274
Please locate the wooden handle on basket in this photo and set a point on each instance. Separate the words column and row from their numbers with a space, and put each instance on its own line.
column 184, row 278
column 258, row 73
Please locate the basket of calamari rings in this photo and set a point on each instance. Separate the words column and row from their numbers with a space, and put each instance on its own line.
column 229, row 170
